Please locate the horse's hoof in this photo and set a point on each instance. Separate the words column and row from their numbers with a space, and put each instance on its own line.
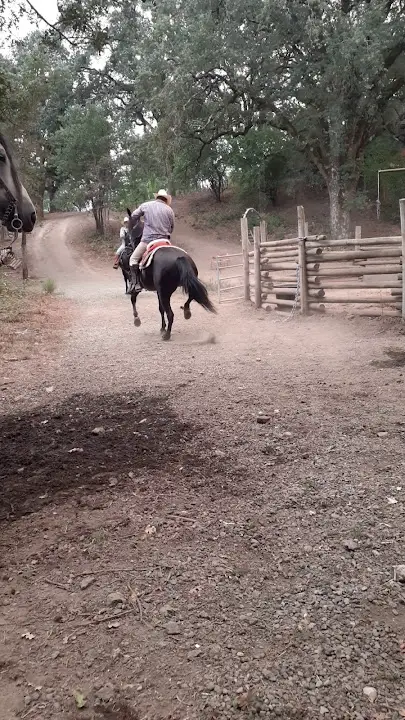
column 166, row 335
column 137, row 321
column 187, row 314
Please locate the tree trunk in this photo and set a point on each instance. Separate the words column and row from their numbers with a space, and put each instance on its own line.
column 338, row 208
column 52, row 189
column 38, row 198
column 98, row 216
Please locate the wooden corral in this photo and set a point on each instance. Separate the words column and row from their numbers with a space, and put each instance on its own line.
column 312, row 272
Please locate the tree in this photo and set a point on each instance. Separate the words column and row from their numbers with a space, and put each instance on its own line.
column 42, row 81
column 323, row 72
column 84, row 146
column 327, row 74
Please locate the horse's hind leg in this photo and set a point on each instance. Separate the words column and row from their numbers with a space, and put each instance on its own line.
column 165, row 301
column 137, row 319
column 162, row 314
column 186, row 308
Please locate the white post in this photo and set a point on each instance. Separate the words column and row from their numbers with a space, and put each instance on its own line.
column 402, row 215
column 302, row 260
column 245, row 252
column 357, row 235
column 257, row 231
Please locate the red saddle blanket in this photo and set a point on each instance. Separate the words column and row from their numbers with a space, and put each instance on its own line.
column 151, row 249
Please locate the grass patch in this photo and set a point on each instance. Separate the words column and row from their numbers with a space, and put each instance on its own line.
column 106, row 243
column 29, row 318
column 214, row 218
column 49, row 286
column 275, row 224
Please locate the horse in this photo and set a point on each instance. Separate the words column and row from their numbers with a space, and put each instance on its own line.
column 135, row 236
column 17, row 212
column 170, row 268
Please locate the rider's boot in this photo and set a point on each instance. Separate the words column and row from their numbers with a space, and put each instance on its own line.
column 135, row 279
column 116, row 262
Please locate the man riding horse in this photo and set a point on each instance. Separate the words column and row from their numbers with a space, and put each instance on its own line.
column 158, row 225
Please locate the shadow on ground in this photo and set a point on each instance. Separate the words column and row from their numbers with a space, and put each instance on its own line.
column 396, row 359
column 84, row 442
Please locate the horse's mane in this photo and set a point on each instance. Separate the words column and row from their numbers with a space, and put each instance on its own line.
column 17, row 182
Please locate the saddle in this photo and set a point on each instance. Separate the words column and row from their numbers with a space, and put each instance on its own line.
column 147, row 257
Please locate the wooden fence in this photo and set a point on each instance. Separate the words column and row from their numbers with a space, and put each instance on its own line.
column 312, row 272
column 8, row 239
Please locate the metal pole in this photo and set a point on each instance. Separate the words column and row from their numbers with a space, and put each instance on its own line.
column 24, row 256
column 385, row 170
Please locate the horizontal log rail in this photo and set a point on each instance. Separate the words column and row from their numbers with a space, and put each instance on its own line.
column 329, row 270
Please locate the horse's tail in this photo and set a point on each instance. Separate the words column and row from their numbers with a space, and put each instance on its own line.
column 192, row 285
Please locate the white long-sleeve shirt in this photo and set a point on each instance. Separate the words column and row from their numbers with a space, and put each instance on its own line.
column 123, row 233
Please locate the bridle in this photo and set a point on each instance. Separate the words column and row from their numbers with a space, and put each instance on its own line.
column 12, row 207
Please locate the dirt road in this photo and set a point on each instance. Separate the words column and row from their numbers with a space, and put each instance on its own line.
column 197, row 530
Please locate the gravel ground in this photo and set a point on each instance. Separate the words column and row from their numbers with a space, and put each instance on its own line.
column 205, row 528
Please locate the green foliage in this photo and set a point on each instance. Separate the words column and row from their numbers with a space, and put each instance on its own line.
column 273, row 96
column 5, row 89
column 49, row 286
column 69, row 197
column 83, row 144
column 324, row 73
column 83, row 154
column 274, row 223
column 42, row 81
column 384, row 152
column 141, row 172
column 265, row 161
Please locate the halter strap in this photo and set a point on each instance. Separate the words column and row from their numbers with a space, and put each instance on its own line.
column 16, row 222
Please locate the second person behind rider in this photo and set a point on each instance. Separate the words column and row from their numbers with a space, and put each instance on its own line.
column 124, row 235
column 158, row 225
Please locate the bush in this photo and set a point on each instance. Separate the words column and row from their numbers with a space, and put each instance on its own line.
column 382, row 153
column 49, row 286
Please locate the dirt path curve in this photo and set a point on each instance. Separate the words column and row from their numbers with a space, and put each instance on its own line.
column 200, row 530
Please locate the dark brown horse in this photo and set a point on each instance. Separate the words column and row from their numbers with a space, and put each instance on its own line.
column 134, row 238
column 17, row 211
column 171, row 268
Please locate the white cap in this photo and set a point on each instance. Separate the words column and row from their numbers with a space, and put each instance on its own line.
column 125, row 219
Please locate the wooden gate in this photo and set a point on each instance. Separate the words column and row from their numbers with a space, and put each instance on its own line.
column 229, row 277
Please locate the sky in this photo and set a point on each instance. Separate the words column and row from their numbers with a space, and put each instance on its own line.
column 47, row 8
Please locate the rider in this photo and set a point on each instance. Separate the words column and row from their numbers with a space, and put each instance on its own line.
column 124, row 239
column 158, row 225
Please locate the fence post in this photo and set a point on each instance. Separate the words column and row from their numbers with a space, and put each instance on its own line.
column 24, row 256
column 402, row 215
column 302, row 259
column 218, row 280
column 257, row 231
column 245, row 253
column 357, row 235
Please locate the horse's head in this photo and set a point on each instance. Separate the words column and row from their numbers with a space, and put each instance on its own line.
column 135, row 229
column 17, row 211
